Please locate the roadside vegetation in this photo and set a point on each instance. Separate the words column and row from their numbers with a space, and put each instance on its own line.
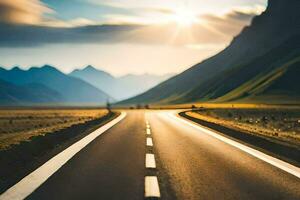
column 22, row 125
column 282, row 124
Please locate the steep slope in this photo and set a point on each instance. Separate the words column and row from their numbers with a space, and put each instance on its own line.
column 278, row 86
column 287, row 83
column 33, row 93
column 72, row 89
column 278, row 23
column 245, row 75
column 121, row 87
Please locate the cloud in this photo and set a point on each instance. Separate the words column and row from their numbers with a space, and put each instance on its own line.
column 12, row 35
column 239, row 16
column 77, row 22
column 212, row 30
column 22, row 11
column 159, row 10
column 230, row 23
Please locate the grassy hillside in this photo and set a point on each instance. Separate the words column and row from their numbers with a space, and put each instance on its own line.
column 238, row 82
column 281, row 86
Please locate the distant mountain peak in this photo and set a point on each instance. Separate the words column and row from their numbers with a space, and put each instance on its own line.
column 46, row 67
column 87, row 69
column 16, row 68
column 91, row 68
column 49, row 67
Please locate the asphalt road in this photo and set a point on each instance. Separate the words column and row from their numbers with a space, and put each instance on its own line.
column 188, row 164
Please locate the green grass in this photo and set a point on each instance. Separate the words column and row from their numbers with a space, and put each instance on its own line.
column 258, row 85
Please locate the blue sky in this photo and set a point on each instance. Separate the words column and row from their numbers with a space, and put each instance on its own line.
column 68, row 10
column 100, row 10
column 144, row 35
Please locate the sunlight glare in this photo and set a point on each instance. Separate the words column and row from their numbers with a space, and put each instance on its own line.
column 185, row 17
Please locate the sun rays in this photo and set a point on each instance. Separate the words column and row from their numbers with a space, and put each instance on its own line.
column 185, row 17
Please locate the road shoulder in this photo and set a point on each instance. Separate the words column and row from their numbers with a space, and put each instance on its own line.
column 279, row 150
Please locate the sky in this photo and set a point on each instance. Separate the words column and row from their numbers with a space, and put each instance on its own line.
column 119, row 36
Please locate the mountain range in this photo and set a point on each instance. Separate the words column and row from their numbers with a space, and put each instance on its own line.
column 119, row 87
column 50, row 85
column 47, row 85
column 259, row 65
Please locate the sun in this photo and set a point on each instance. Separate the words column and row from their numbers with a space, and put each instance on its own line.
column 185, row 17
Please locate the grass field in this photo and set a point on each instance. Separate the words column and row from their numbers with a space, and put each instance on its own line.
column 215, row 105
column 20, row 125
column 280, row 123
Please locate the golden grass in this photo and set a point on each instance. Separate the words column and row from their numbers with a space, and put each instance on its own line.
column 21, row 125
column 223, row 105
column 286, row 129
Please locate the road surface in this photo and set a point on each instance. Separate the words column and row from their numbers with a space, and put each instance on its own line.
column 151, row 154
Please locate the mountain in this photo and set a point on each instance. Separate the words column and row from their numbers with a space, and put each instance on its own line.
column 121, row 87
column 98, row 78
column 11, row 94
column 71, row 89
column 278, row 25
column 280, row 86
column 94, row 76
column 239, row 82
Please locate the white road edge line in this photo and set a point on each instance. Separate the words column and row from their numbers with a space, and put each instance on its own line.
column 151, row 187
column 289, row 168
column 148, row 131
column 149, row 142
column 36, row 178
column 150, row 161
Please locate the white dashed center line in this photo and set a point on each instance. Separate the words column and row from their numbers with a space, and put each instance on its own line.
column 149, row 142
column 148, row 131
column 151, row 182
column 150, row 161
column 151, row 187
